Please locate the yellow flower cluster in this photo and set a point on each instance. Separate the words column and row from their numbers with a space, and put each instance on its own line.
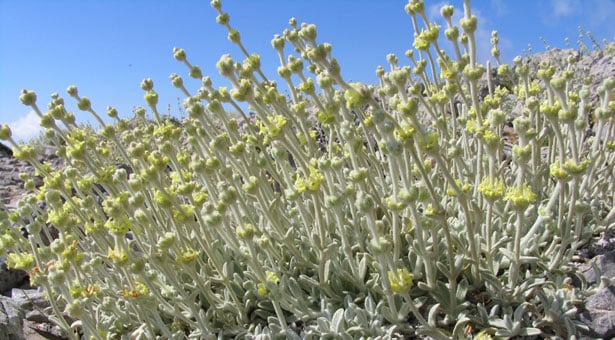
column 400, row 280
column 492, row 190
column 311, row 183
column 270, row 277
column 520, row 197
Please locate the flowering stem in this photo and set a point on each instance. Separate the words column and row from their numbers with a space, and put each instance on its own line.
column 515, row 262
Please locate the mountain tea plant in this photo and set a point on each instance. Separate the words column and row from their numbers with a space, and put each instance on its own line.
column 327, row 208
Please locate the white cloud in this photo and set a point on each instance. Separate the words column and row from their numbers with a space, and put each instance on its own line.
column 564, row 8
column 600, row 17
column 26, row 127
column 433, row 11
column 500, row 7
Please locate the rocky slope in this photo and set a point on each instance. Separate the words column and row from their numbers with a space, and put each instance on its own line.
column 23, row 309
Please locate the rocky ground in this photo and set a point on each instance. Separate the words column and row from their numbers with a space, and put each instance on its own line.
column 24, row 312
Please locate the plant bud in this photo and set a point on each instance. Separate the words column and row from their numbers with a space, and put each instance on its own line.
column 225, row 65
column 27, row 97
column 364, row 202
column 151, row 98
column 72, row 91
column 245, row 231
column 179, row 54
column 176, row 80
column 112, row 112
column 234, row 36
column 195, row 72
column 451, row 33
column 5, row 132
column 381, row 245
column 447, row 11
column 469, row 25
column 308, row 32
column 277, row 42
column 223, row 19
column 147, row 84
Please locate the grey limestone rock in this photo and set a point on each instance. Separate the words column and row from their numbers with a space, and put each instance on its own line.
column 5, row 151
column 600, row 313
column 10, row 278
column 605, row 265
column 11, row 320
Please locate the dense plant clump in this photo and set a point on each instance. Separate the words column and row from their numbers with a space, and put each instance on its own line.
column 338, row 209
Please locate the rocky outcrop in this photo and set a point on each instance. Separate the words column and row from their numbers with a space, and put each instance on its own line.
column 597, row 65
column 23, row 309
column 599, row 313
column 11, row 186
column 24, row 316
column 5, row 151
column 10, row 278
column 11, row 168
column 600, row 266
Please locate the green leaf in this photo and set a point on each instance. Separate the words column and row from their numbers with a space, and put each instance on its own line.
column 363, row 268
column 498, row 323
column 337, row 322
column 369, row 305
column 462, row 290
column 460, row 328
column 443, row 268
column 323, row 324
column 361, row 317
column 309, row 281
column 530, row 331
column 528, row 259
column 294, row 287
column 433, row 333
column 482, row 313
column 502, row 242
column 442, row 294
column 432, row 318
column 423, row 286
column 519, row 311
column 460, row 261
column 327, row 270
column 509, row 254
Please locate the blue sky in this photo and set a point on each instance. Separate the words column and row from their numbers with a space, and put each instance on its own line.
column 107, row 47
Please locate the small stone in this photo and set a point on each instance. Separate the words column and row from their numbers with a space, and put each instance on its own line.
column 37, row 316
column 600, row 313
column 5, row 151
column 28, row 298
column 11, row 320
column 41, row 331
column 604, row 263
column 10, row 278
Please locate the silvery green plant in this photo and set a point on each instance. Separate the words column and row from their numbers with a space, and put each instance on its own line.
column 340, row 209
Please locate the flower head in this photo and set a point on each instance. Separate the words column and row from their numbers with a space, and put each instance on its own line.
column 23, row 261
column 5, row 132
column 311, row 183
column 270, row 277
column 520, row 197
column 400, row 280
column 492, row 190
